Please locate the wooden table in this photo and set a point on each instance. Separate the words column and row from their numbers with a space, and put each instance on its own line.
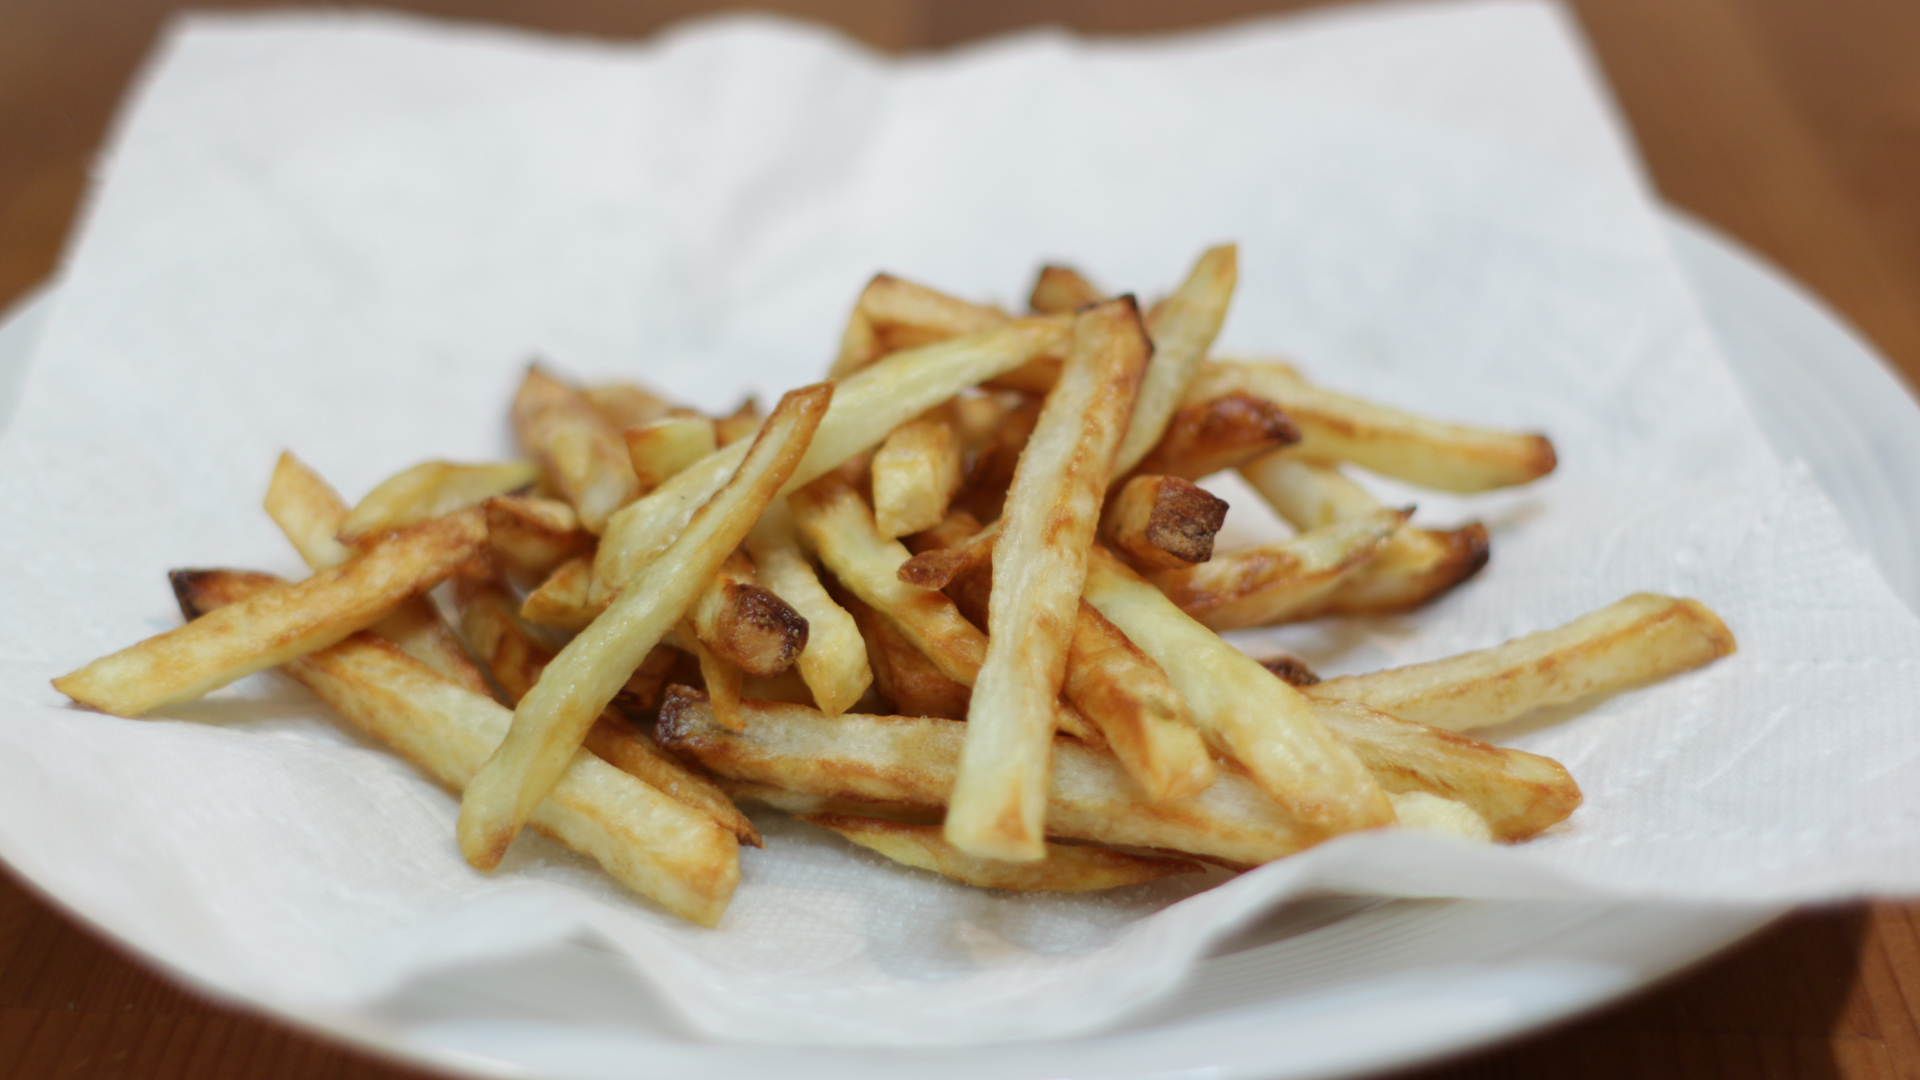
column 1793, row 125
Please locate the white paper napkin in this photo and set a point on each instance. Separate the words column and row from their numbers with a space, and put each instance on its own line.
column 347, row 234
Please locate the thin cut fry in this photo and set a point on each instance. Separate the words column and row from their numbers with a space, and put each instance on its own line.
column 583, row 679
column 1246, row 713
column 663, row 449
column 740, row 424
column 1182, row 328
column 1277, row 582
column 309, row 512
column 834, row 662
column 274, row 627
column 561, row 600
column 746, row 624
column 1337, row 427
column 866, row 406
column 910, row 682
column 429, row 490
column 647, row 841
column 1415, row 566
column 1516, row 793
column 579, row 453
column 910, row 762
column 1219, row 433
column 1060, row 290
column 915, row 474
column 1640, row 639
column 624, row 405
column 723, row 678
column 1052, row 509
column 1162, row 523
column 1066, row 868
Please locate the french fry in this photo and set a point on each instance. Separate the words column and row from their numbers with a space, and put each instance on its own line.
column 1052, row 509
column 664, row 448
column 530, row 536
column 746, row 624
column 739, row 424
column 1338, row 427
column 561, row 601
column 1162, row 523
column 515, row 660
column 1638, row 640
column 903, row 315
column 668, row 852
column 1241, row 709
column 624, row 405
column 908, row 680
column 309, row 512
column 429, row 490
column 866, row 406
column 1218, row 433
column 834, row 662
column 551, row 721
column 1438, row 814
column 1516, row 793
column 1291, row 670
column 1066, row 868
column 1060, row 290
column 578, row 451
column 276, row 626
column 1182, row 329
column 1415, row 566
column 986, row 484
column 1277, row 582
column 916, row 471
column 909, row 763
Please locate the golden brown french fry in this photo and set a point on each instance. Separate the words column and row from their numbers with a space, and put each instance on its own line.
column 745, row 624
column 561, row 600
column 1516, row 793
column 910, row 682
column 666, row 447
column 530, row 536
column 916, row 471
column 905, row 315
column 1066, row 868
column 1182, row 328
column 624, row 405
column 1640, row 639
column 1338, row 427
column 1039, row 564
column 578, row 452
column 672, row 854
column 550, row 722
column 866, row 406
column 840, row 529
column 274, row 627
column 859, row 345
column 309, row 512
column 739, row 424
column 515, row 660
column 1244, row 712
column 1291, row 670
column 1278, row 582
column 1218, row 433
column 834, row 662
column 1162, row 523
column 1061, row 290
column 908, row 763
column 936, row 567
column 1415, row 566
column 431, row 489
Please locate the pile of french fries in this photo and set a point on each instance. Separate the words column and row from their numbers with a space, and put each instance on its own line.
column 958, row 604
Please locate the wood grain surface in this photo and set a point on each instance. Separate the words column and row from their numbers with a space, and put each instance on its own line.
column 1793, row 125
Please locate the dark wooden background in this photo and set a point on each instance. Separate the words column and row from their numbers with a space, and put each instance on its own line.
column 1793, row 125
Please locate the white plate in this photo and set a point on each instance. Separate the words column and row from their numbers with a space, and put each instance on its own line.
column 1323, row 988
